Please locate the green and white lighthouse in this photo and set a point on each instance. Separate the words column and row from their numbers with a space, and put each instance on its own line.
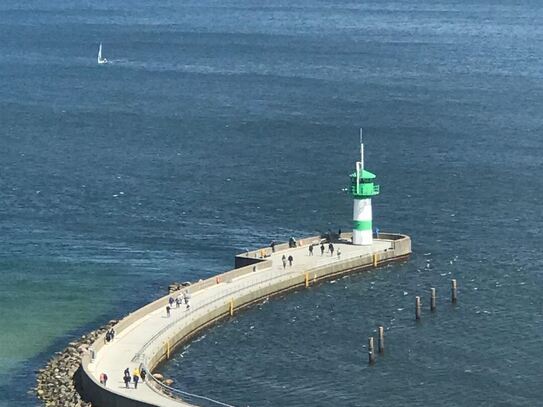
column 362, row 190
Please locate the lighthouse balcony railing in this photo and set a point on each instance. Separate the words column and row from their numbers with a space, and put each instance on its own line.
column 366, row 189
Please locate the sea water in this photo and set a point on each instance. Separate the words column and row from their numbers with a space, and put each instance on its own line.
column 219, row 126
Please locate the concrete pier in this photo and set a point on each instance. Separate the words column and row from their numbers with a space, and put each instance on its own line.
column 147, row 336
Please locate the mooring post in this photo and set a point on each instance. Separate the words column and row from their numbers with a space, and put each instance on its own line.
column 231, row 306
column 306, row 280
column 432, row 299
column 371, row 351
column 417, row 307
column 453, row 291
column 381, row 340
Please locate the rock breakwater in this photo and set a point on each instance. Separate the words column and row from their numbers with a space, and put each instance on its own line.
column 57, row 382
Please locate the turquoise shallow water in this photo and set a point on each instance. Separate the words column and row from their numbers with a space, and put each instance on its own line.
column 221, row 126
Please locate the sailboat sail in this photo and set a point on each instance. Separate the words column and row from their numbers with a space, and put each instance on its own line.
column 101, row 60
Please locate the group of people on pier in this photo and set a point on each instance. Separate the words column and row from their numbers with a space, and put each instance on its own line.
column 331, row 249
column 178, row 301
column 137, row 374
column 110, row 335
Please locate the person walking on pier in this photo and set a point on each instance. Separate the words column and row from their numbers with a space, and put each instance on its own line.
column 126, row 377
column 331, row 249
column 186, row 296
column 136, row 378
column 178, row 302
column 168, row 311
column 290, row 258
column 338, row 253
column 311, row 250
column 142, row 374
column 284, row 259
column 103, row 379
column 272, row 245
column 322, row 249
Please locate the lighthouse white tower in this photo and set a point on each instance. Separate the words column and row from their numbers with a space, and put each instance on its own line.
column 362, row 190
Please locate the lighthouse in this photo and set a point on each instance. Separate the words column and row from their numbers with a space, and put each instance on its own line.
column 363, row 189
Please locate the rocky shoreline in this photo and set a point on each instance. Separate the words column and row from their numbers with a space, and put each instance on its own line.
column 57, row 382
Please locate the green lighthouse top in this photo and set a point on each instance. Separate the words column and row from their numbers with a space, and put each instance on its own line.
column 362, row 181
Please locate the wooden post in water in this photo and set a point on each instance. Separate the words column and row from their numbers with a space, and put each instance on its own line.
column 381, row 340
column 417, row 308
column 453, row 291
column 306, row 280
column 371, row 351
column 432, row 299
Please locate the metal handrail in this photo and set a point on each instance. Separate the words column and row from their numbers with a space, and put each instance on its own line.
column 176, row 393
column 183, row 395
column 214, row 300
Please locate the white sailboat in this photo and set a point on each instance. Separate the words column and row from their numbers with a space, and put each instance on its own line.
column 101, row 60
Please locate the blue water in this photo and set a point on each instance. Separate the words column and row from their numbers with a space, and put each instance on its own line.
column 219, row 126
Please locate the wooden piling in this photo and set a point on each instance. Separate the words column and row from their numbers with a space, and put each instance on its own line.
column 453, row 291
column 371, row 351
column 306, row 280
column 231, row 307
column 381, row 340
column 417, row 308
column 432, row 299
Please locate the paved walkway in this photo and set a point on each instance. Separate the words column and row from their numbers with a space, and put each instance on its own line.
column 117, row 355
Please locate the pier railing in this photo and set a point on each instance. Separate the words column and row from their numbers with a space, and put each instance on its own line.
column 200, row 313
column 181, row 395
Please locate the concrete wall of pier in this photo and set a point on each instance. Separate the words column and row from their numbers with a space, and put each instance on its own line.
column 399, row 249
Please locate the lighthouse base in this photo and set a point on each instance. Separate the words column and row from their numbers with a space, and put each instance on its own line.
column 362, row 237
column 362, row 222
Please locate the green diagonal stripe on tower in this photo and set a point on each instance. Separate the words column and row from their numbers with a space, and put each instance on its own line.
column 362, row 224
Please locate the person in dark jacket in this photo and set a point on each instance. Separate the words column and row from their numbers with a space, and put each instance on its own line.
column 142, row 374
column 290, row 258
column 126, row 381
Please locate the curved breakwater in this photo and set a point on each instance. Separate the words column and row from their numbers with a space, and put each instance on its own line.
column 147, row 337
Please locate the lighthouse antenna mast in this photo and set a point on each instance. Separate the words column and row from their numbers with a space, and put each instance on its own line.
column 361, row 150
column 360, row 164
